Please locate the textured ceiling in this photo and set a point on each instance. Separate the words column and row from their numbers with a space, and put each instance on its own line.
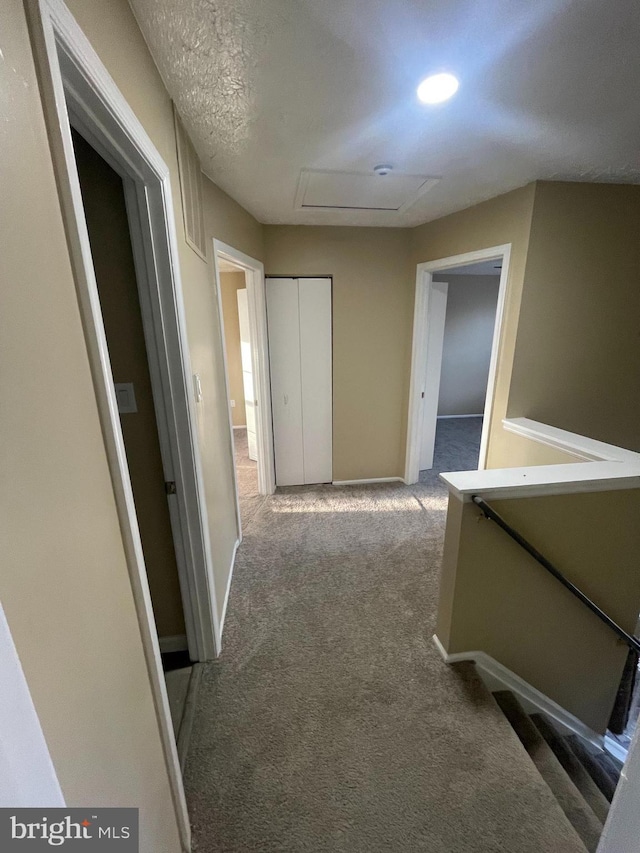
column 266, row 88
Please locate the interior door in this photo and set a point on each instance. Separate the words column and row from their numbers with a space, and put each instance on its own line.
column 316, row 373
column 247, row 373
column 437, row 312
column 286, row 387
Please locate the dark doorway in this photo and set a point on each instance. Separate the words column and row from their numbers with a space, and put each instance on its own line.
column 113, row 260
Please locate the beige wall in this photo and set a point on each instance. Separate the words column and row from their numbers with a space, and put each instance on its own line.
column 65, row 568
column 577, row 357
column 116, row 37
column 468, row 337
column 104, row 205
column 496, row 598
column 505, row 219
column 64, row 584
column 227, row 221
column 576, row 360
column 230, row 284
column 372, row 317
column 520, row 452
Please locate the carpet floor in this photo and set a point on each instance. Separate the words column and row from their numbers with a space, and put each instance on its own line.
column 330, row 722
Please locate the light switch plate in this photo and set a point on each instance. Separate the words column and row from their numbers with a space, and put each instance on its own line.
column 126, row 397
column 197, row 388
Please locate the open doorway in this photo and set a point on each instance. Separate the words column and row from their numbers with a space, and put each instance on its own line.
column 457, row 323
column 471, row 295
column 105, row 211
column 242, row 398
column 242, row 311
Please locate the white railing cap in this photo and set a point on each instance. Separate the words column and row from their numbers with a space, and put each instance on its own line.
column 601, row 467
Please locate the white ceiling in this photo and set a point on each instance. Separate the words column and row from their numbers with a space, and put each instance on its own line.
column 269, row 88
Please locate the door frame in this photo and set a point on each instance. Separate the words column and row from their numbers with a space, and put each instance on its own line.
column 435, row 349
column 419, row 367
column 257, row 304
column 76, row 88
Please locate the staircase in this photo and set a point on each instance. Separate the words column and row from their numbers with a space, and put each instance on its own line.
column 582, row 779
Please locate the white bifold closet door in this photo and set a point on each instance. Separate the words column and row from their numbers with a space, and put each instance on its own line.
column 299, row 322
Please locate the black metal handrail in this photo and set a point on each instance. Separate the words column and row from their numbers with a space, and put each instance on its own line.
column 489, row 512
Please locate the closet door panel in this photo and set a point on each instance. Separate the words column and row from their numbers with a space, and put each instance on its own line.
column 286, row 386
column 316, row 376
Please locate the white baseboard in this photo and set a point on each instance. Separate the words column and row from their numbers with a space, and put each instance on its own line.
column 496, row 676
column 241, row 426
column 366, row 482
column 447, row 417
column 228, row 590
column 173, row 643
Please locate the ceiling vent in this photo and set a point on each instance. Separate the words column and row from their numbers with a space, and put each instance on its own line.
column 324, row 189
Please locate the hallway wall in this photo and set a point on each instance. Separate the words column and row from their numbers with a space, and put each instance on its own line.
column 577, row 355
column 224, row 220
column 493, row 598
column 64, row 584
column 468, row 338
column 65, row 564
column 372, row 317
column 115, row 36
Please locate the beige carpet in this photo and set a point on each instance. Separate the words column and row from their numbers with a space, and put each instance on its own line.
column 330, row 723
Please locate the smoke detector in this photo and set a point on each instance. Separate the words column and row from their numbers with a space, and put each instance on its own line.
column 382, row 169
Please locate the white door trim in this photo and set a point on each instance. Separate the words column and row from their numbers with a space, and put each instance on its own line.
column 248, row 390
column 257, row 301
column 419, row 368
column 438, row 298
column 74, row 81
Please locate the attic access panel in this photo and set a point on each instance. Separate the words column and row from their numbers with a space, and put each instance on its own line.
column 325, row 189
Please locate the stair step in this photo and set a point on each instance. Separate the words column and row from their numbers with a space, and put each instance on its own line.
column 573, row 767
column 575, row 807
column 600, row 767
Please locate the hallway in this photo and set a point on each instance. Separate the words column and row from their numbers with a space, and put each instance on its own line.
column 330, row 722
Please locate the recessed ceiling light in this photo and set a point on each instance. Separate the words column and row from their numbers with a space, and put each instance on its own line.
column 437, row 88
